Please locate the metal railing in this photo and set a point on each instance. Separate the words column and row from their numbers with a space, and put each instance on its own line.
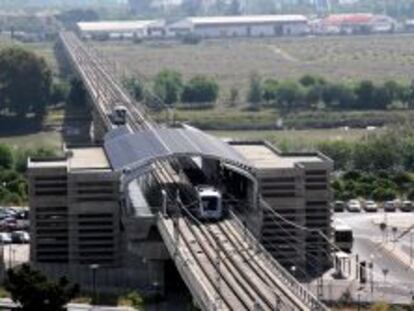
column 283, row 275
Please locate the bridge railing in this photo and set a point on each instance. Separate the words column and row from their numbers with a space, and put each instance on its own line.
column 283, row 275
column 205, row 302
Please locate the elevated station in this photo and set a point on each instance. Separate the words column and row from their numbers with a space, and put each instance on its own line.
column 131, row 205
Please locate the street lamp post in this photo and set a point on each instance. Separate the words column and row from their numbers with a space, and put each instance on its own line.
column 411, row 247
column 156, row 287
column 394, row 234
column 293, row 270
column 10, row 256
column 94, row 268
column 385, row 272
column 371, row 267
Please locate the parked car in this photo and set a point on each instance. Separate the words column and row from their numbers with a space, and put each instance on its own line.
column 8, row 224
column 354, row 206
column 338, row 206
column 20, row 237
column 370, row 206
column 406, row 206
column 5, row 238
column 390, row 206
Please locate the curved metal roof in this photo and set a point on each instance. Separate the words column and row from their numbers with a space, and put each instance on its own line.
column 135, row 151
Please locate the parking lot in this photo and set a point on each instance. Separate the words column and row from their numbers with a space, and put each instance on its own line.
column 14, row 236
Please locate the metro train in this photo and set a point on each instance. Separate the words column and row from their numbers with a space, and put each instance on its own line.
column 118, row 115
column 210, row 203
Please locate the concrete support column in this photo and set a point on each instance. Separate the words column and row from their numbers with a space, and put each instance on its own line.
column 98, row 129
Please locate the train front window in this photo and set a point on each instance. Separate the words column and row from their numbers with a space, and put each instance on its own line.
column 343, row 236
column 209, row 203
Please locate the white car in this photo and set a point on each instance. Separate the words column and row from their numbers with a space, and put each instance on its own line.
column 370, row 206
column 5, row 238
column 354, row 206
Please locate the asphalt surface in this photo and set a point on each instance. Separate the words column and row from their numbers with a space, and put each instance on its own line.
column 398, row 282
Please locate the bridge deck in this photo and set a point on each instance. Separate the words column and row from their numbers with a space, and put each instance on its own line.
column 218, row 259
column 223, row 266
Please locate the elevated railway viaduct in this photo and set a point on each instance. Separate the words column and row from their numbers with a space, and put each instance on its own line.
column 223, row 265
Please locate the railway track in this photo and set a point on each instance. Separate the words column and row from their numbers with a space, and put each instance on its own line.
column 230, row 274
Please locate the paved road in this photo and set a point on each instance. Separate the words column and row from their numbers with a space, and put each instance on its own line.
column 399, row 281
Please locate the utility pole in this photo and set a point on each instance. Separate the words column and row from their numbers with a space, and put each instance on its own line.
column 371, row 272
column 164, row 203
column 385, row 273
column 320, row 272
column 411, row 247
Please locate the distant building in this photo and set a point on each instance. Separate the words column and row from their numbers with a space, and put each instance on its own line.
column 121, row 29
column 242, row 26
column 359, row 23
column 296, row 187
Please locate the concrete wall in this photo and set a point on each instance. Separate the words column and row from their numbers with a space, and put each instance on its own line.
column 301, row 195
column 258, row 30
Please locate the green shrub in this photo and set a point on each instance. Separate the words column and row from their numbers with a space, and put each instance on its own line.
column 6, row 157
column 132, row 299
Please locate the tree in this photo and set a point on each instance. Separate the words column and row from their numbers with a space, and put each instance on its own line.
column 254, row 95
column 33, row 291
column 338, row 96
column 6, row 157
column 168, row 86
column 134, row 86
column 339, row 151
column 77, row 94
column 394, row 91
column 59, row 93
column 270, row 88
column 21, row 157
column 25, row 82
column 384, row 194
column 365, row 93
column 310, row 80
column 200, row 89
column 132, row 299
column 290, row 96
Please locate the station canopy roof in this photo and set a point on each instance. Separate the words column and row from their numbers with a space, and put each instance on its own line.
column 132, row 151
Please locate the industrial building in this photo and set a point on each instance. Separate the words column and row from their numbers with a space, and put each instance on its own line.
column 241, row 26
column 358, row 23
column 296, row 187
column 121, row 29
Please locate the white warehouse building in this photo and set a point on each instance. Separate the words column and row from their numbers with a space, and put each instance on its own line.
column 121, row 29
column 242, row 26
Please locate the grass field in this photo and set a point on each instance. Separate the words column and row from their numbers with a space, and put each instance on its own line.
column 232, row 60
column 296, row 139
column 51, row 140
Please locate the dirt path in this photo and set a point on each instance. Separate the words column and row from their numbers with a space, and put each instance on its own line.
column 283, row 54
